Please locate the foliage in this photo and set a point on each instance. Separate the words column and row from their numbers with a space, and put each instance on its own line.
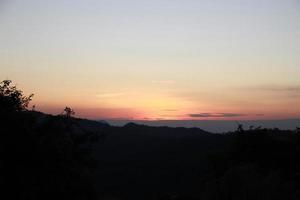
column 258, row 164
column 68, row 112
column 42, row 156
column 12, row 99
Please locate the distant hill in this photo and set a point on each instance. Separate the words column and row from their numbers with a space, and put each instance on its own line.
column 214, row 126
column 137, row 161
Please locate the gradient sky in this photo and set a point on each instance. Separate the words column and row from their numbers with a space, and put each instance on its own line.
column 158, row 59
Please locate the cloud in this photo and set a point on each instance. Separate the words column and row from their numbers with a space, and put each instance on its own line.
column 109, row 95
column 164, row 82
column 208, row 115
column 259, row 115
column 170, row 110
column 283, row 91
column 280, row 88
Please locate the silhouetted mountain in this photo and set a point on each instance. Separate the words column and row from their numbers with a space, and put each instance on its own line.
column 46, row 157
column 144, row 162
column 213, row 126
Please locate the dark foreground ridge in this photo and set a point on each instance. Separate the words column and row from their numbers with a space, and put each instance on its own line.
column 61, row 157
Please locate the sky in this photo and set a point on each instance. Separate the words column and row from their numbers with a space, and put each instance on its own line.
column 158, row 59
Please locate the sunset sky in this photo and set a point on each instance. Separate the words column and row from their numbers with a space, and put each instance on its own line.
column 155, row 59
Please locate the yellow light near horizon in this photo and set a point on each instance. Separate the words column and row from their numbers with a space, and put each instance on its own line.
column 151, row 105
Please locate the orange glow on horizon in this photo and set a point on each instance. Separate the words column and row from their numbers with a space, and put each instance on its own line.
column 167, row 114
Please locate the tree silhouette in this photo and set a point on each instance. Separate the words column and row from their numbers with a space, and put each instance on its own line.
column 68, row 112
column 12, row 99
column 42, row 157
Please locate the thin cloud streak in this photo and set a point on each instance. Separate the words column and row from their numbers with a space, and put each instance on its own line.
column 208, row 115
column 170, row 110
column 165, row 82
column 284, row 91
column 280, row 88
column 276, row 88
column 109, row 95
